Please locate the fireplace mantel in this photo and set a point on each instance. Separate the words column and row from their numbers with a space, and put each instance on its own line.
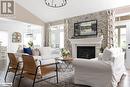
column 96, row 41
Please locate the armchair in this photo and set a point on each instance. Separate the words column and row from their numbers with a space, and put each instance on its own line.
column 36, row 72
column 100, row 73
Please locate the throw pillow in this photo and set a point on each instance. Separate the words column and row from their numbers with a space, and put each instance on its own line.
column 20, row 49
column 27, row 50
column 36, row 52
column 45, row 51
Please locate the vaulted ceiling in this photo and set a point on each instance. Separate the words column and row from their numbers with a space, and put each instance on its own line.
column 73, row 8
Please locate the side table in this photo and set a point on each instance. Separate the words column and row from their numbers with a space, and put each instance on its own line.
column 66, row 63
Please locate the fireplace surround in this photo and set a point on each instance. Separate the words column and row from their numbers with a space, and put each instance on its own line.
column 89, row 42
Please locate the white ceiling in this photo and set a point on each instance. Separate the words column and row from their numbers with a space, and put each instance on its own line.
column 73, row 8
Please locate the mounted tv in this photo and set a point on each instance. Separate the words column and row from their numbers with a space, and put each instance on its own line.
column 86, row 28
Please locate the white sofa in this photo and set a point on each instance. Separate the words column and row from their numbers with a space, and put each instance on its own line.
column 105, row 72
column 45, row 54
column 49, row 54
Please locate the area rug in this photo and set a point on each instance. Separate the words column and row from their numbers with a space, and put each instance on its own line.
column 65, row 80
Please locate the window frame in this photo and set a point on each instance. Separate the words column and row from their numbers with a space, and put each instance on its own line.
column 118, row 27
column 60, row 30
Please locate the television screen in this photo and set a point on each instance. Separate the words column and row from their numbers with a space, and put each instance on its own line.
column 85, row 28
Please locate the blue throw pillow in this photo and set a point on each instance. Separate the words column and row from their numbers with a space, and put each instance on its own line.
column 27, row 50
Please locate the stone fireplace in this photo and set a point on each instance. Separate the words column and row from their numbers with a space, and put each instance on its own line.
column 93, row 44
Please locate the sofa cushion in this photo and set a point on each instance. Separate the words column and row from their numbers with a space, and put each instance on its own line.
column 45, row 51
column 55, row 51
column 27, row 50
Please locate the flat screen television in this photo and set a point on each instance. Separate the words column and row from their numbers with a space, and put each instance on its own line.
column 86, row 28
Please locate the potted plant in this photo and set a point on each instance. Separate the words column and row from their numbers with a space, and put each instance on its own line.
column 65, row 53
column 30, row 43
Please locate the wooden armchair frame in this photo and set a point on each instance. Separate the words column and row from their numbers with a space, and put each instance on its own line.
column 13, row 66
column 25, row 71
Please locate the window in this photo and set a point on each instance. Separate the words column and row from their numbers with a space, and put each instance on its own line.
column 35, row 36
column 56, row 36
column 4, row 41
column 121, row 36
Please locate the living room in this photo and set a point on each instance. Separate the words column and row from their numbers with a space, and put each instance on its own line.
column 83, row 43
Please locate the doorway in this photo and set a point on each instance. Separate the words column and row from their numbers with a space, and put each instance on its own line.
column 122, row 35
column 120, row 32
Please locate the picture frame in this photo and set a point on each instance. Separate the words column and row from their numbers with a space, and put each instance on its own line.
column 85, row 28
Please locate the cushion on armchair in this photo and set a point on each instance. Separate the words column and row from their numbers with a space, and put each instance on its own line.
column 112, row 54
column 107, row 54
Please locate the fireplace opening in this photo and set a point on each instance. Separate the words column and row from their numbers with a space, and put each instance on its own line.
column 86, row 52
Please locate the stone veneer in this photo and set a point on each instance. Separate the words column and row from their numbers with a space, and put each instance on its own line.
column 103, row 26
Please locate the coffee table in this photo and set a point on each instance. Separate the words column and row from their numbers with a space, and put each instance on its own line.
column 65, row 63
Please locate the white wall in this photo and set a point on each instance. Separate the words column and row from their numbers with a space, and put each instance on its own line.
column 5, row 39
column 15, row 26
column 128, row 46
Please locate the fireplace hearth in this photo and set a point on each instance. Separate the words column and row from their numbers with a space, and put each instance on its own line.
column 86, row 52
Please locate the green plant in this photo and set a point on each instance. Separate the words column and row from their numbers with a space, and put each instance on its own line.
column 30, row 43
column 65, row 52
